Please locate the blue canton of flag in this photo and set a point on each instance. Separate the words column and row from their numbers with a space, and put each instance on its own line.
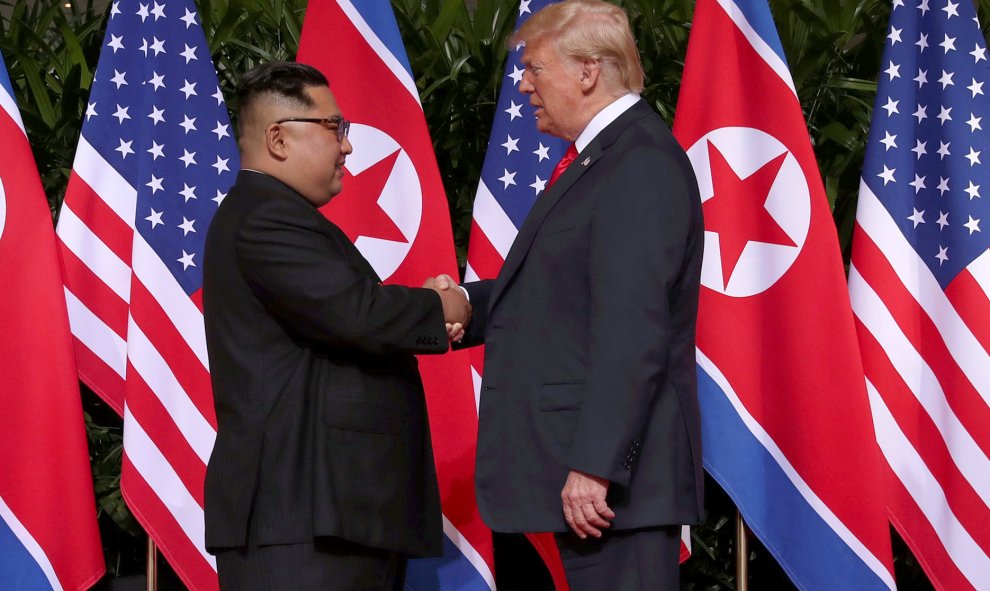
column 157, row 115
column 517, row 167
column 927, row 146
column 519, row 159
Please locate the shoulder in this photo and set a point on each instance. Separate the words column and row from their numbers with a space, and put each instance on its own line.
column 259, row 196
column 268, row 213
column 649, row 131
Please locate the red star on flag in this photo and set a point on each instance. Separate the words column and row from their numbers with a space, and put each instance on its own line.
column 356, row 210
column 737, row 209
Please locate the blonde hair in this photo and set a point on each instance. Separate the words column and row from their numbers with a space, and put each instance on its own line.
column 589, row 30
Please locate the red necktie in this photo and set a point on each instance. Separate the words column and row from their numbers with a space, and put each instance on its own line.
column 558, row 170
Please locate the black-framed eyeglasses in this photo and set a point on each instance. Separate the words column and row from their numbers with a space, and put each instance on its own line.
column 338, row 124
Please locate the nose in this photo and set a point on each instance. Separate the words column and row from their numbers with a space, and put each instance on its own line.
column 345, row 146
column 525, row 84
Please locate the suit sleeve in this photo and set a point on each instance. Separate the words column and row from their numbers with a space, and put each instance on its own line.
column 305, row 279
column 478, row 293
column 638, row 239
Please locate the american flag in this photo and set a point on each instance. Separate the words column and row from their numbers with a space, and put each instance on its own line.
column 517, row 167
column 154, row 161
column 920, row 285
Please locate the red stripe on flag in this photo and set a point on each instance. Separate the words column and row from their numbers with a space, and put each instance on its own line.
column 913, row 526
column 197, row 298
column 160, row 426
column 478, row 359
column 103, row 221
column 546, row 547
column 482, row 256
column 94, row 293
column 685, row 552
column 925, row 437
column 967, row 404
column 971, row 303
column 156, row 519
column 99, row 376
column 185, row 365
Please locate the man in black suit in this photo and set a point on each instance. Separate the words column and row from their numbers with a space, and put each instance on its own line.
column 589, row 420
column 322, row 475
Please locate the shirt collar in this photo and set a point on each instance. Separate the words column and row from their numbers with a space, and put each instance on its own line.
column 604, row 118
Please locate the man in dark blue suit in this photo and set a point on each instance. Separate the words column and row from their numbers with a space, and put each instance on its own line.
column 589, row 421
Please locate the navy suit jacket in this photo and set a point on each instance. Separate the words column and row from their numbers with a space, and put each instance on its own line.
column 589, row 333
column 322, row 425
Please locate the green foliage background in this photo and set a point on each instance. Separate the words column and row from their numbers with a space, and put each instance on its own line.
column 457, row 51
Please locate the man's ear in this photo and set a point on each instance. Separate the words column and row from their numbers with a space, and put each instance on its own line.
column 275, row 141
column 590, row 71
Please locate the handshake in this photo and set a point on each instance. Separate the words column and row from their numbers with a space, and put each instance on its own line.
column 456, row 308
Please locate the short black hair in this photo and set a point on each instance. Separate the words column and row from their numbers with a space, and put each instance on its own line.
column 285, row 80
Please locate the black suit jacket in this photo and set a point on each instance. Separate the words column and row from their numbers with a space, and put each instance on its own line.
column 322, row 426
column 589, row 335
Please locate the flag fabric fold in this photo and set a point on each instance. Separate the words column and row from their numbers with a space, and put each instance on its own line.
column 154, row 161
column 394, row 208
column 786, row 419
column 48, row 532
column 920, row 286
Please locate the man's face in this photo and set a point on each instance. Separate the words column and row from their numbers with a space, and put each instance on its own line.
column 553, row 86
column 317, row 155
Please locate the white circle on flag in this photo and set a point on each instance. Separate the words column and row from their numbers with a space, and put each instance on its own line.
column 788, row 202
column 401, row 198
column 3, row 207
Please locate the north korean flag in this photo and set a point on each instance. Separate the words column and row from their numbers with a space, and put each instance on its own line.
column 394, row 208
column 786, row 419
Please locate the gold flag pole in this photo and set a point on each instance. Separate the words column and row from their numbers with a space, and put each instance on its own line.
column 152, row 566
column 742, row 555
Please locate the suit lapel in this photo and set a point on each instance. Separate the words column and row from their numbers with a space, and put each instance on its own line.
column 546, row 201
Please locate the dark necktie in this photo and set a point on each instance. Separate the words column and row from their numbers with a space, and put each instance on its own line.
column 558, row 170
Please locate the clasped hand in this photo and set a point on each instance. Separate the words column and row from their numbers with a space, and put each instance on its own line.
column 456, row 308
